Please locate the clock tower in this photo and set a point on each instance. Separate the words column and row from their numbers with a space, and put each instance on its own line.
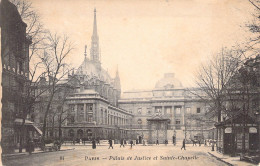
column 94, row 51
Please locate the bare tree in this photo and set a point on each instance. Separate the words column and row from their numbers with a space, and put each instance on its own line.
column 54, row 64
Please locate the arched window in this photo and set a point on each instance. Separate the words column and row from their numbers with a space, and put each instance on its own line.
column 80, row 133
column 139, row 121
column 71, row 133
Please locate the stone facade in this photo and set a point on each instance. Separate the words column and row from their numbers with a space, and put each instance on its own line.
column 15, row 72
column 183, row 110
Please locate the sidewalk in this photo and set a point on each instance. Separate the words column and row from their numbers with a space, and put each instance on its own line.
column 36, row 151
column 229, row 160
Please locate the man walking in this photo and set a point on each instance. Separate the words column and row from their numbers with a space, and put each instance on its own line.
column 131, row 142
column 110, row 144
column 166, row 142
column 183, row 144
column 122, row 143
column 173, row 140
column 93, row 144
column 157, row 142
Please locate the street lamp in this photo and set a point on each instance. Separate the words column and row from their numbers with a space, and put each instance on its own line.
column 258, row 121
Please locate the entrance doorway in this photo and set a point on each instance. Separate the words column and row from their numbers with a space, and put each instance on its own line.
column 253, row 141
column 228, row 141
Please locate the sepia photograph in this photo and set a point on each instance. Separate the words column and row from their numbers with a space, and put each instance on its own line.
column 130, row 82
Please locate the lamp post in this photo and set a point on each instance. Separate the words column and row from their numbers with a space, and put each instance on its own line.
column 258, row 123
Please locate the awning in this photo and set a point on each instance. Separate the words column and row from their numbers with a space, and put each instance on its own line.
column 20, row 122
column 37, row 129
column 27, row 123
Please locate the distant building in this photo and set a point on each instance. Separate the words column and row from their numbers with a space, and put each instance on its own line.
column 15, row 73
column 167, row 110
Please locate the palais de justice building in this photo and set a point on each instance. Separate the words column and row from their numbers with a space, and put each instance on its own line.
column 167, row 110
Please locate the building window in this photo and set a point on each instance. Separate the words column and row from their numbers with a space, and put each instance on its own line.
column 72, row 108
column 71, row 133
column 139, row 121
column 90, row 117
column 168, row 110
column 188, row 110
column 72, row 119
column 198, row 110
column 148, row 111
column 178, row 122
column 139, row 111
column 178, row 110
column 158, row 110
column 102, row 117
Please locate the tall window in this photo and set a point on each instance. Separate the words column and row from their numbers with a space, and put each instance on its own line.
column 139, row 111
column 168, row 110
column 158, row 110
column 106, row 119
column 198, row 110
column 188, row 110
column 102, row 117
column 148, row 111
column 178, row 110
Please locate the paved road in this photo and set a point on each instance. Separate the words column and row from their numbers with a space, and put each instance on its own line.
column 139, row 155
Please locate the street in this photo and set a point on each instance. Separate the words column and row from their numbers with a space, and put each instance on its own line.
column 138, row 155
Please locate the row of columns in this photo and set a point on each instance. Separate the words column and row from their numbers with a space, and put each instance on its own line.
column 114, row 120
column 86, row 113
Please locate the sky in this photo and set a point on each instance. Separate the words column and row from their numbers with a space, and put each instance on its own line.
column 147, row 38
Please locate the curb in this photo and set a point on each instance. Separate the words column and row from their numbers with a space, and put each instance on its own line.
column 23, row 154
column 220, row 159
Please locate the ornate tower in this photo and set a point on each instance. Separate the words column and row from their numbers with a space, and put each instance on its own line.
column 94, row 51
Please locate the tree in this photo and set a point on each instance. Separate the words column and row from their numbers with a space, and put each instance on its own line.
column 55, row 66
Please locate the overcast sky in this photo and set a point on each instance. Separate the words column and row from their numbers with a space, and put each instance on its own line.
column 147, row 38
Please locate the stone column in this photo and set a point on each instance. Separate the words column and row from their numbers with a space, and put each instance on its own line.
column 85, row 112
column 183, row 114
column 76, row 112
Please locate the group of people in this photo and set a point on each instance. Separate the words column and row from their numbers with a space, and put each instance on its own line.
column 122, row 143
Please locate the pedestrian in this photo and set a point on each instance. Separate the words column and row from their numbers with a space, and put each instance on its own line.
column 131, row 142
column 93, row 144
column 199, row 143
column 157, row 142
column 122, row 143
column 166, row 142
column 205, row 142
column 98, row 141
column 30, row 146
column 173, row 140
column 110, row 144
column 143, row 142
column 183, row 144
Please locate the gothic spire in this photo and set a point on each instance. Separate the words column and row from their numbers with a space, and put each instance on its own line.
column 95, row 24
column 94, row 52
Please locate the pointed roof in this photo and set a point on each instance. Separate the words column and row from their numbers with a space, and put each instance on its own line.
column 95, row 24
column 117, row 83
